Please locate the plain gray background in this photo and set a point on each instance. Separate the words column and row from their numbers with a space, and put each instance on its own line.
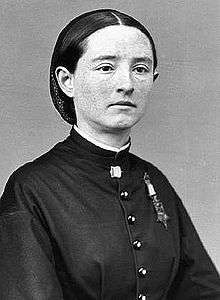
column 180, row 133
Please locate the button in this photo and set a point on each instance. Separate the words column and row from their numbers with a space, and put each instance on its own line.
column 131, row 219
column 124, row 195
column 142, row 272
column 137, row 244
column 142, row 297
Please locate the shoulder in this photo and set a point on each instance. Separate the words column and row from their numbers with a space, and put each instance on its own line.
column 39, row 167
column 33, row 177
column 43, row 166
column 29, row 187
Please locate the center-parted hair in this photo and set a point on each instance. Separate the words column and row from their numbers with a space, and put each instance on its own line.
column 71, row 44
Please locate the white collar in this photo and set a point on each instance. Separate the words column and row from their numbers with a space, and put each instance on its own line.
column 99, row 144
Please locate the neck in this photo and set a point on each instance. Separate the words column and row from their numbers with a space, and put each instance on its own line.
column 117, row 138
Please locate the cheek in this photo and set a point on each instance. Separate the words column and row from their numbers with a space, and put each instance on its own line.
column 90, row 87
column 91, row 95
column 143, row 89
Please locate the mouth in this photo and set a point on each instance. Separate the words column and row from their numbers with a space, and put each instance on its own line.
column 123, row 103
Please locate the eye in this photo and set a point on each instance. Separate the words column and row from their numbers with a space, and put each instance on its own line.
column 141, row 69
column 105, row 68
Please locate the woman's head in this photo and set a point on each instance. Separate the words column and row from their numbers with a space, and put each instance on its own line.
column 71, row 45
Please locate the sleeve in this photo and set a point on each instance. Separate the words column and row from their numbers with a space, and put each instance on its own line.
column 197, row 277
column 27, row 268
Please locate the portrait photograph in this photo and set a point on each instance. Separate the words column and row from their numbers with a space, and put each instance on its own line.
column 109, row 150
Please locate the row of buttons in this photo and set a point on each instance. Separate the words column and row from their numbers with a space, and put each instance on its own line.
column 136, row 244
column 142, row 272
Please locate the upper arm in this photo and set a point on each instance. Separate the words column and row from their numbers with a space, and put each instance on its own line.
column 197, row 277
column 27, row 267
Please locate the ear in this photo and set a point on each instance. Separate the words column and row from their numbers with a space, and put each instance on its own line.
column 65, row 80
column 155, row 75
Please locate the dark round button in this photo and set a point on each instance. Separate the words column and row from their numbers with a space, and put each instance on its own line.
column 124, row 195
column 131, row 219
column 137, row 244
column 142, row 272
column 142, row 297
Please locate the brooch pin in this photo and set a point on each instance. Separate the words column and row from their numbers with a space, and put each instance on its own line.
column 158, row 205
column 116, row 172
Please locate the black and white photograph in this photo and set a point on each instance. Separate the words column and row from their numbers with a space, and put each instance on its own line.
column 109, row 150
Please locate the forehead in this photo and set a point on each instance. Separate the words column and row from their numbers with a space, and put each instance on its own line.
column 120, row 40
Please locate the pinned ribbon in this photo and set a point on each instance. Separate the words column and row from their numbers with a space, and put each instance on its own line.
column 115, row 172
column 158, row 205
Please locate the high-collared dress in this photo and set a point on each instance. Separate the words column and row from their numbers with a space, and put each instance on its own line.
column 73, row 227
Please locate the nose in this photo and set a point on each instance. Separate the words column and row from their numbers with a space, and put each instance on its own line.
column 125, row 83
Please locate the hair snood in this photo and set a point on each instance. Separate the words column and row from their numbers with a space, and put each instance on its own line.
column 71, row 44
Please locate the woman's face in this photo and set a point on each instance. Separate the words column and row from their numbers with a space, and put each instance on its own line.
column 112, row 79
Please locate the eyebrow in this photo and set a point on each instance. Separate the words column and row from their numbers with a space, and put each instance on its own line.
column 144, row 58
column 114, row 57
column 104, row 57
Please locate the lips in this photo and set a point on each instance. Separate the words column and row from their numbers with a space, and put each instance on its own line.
column 123, row 103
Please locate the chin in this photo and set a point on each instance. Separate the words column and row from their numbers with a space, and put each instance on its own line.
column 123, row 124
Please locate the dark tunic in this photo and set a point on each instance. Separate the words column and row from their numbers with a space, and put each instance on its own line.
column 68, row 230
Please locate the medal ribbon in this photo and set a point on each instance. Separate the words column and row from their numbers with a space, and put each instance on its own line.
column 158, row 205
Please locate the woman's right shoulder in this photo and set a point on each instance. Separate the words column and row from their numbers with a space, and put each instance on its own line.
column 28, row 180
column 40, row 167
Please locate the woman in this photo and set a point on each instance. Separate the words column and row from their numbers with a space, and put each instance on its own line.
column 88, row 219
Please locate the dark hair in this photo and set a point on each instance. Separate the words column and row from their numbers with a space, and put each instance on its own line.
column 71, row 45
